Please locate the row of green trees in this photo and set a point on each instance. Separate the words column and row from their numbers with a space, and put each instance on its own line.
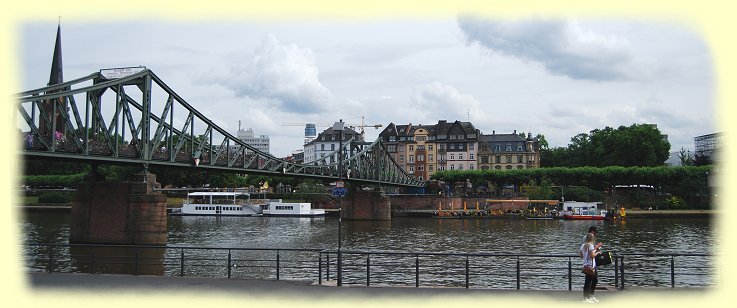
column 686, row 182
column 636, row 145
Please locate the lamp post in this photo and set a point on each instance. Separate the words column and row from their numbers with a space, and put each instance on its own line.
column 338, row 126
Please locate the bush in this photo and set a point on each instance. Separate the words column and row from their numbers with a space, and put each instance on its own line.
column 53, row 197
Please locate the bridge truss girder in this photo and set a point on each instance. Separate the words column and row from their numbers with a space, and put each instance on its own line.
column 140, row 120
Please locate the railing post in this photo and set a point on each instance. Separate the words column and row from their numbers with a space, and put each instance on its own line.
column 327, row 265
column 616, row 272
column 51, row 260
column 92, row 271
column 621, row 270
column 518, row 270
column 672, row 272
column 277, row 265
column 181, row 263
column 570, row 274
column 467, row 271
column 136, row 261
column 229, row 260
column 319, row 268
column 340, row 268
column 417, row 270
column 368, row 269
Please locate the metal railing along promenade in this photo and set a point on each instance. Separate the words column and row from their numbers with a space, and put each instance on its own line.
column 374, row 268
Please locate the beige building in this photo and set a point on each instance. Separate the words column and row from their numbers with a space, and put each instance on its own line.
column 508, row 151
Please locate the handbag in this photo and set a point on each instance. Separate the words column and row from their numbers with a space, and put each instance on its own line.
column 605, row 258
column 588, row 270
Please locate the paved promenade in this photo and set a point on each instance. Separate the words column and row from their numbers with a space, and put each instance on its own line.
column 278, row 290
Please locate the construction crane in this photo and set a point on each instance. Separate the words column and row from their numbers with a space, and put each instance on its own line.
column 356, row 126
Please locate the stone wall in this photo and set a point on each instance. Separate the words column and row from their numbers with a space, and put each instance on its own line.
column 119, row 212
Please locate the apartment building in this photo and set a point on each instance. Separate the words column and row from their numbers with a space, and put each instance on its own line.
column 508, row 151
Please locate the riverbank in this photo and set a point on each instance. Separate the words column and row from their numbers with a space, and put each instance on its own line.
column 66, row 208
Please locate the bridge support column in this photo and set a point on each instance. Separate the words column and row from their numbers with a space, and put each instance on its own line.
column 119, row 212
column 366, row 205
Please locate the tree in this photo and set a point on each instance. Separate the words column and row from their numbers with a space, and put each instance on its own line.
column 637, row 145
column 685, row 157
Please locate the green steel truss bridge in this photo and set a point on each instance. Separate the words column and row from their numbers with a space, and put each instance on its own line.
column 135, row 118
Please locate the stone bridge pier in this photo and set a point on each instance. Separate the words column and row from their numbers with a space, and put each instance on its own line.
column 119, row 212
column 366, row 205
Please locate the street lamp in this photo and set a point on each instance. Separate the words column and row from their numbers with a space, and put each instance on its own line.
column 338, row 126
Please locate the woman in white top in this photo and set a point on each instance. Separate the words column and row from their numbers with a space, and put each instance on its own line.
column 589, row 251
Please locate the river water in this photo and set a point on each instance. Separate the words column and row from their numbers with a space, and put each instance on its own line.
column 498, row 236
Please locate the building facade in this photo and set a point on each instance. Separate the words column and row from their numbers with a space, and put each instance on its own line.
column 261, row 142
column 422, row 150
column 508, row 151
column 326, row 143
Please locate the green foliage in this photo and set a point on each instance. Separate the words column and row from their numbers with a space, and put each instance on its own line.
column 673, row 203
column 686, row 182
column 53, row 181
column 53, row 197
column 636, row 145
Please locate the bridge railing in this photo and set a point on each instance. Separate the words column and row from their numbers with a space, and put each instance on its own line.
column 373, row 268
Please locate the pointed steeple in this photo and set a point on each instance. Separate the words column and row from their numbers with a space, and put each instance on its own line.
column 57, row 73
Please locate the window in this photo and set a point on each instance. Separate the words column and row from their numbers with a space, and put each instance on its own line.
column 509, row 167
column 322, row 147
column 430, row 168
column 497, row 159
column 532, row 158
column 519, row 148
column 460, row 146
column 441, row 146
column 509, row 159
column 392, row 138
column 520, row 167
column 442, row 167
column 332, row 147
column 470, row 146
column 497, row 167
column 401, row 158
column 452, row 137
column 452, row 146
column 497, row 148
column 411, row 169
column 429, row 147
column 452, row 167
column 460, row 167
column 391, row 148
column 332, row 137
column 519, row 159
column 470, row 156
column 429, row 157
column 411, row 159
column 421, row 157
column 452, row 156
column 411, row 147
column 421, row 168
column 460, row 156
column 508, row 148
column 484, row 159
column 470, row 167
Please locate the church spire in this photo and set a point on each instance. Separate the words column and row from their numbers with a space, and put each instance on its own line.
column 57, row 73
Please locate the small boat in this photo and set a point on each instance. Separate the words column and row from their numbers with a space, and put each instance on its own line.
column 574, row 210
column 218, row 203
column 301, row 209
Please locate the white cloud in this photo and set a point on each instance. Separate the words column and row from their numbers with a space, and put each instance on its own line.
column 440, row 101
column 277, row 71
column 560, row 47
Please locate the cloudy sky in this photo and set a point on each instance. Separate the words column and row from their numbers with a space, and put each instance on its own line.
column 556, row 77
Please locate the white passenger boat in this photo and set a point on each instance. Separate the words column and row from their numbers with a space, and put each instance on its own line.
column 303, row 209
column 218, row 203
